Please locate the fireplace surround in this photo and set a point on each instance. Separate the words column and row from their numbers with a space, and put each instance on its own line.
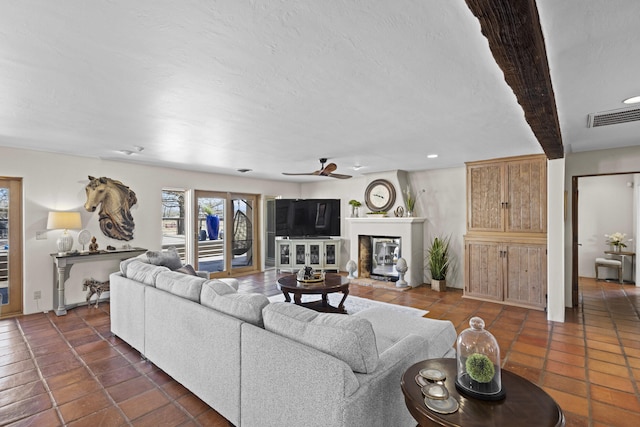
column 409, row 232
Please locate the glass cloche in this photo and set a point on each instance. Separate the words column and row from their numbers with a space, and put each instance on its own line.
column 478, row 357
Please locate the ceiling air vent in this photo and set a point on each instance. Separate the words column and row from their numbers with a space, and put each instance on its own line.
column 613, row 117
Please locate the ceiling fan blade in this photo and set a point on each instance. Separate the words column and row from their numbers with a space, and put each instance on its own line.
column 308, row 173
column 328, row 169
column 339, row 176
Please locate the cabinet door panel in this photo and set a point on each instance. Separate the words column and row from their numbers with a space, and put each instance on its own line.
column 484, row 204
column 527, row 196
column 300, row 251
column 331, row 255
column 315, row 251
column 526, row 275
column 484, row 270
column 284, row 254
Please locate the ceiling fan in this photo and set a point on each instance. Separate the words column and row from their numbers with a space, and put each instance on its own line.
column 323, row 171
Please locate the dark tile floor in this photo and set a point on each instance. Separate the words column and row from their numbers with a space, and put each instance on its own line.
column 70, row 370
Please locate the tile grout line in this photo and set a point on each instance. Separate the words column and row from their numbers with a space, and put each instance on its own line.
column 86, row 366
column 37, row 366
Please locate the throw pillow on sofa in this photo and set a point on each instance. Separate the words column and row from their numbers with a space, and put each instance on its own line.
column 225, row 299
column 187, row 269
column 168, row 258
column 347, row 338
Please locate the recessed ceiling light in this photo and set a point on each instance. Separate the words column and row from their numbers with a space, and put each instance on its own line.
column 244, row 170
column 356, row 167
column 632, row 100
column 432, row 156
column 125, row 152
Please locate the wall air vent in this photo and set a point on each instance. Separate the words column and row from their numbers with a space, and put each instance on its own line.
column 613, row 117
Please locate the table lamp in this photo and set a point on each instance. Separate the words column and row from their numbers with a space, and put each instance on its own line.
column 64, row 221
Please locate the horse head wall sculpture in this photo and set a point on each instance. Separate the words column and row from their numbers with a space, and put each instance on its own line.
column 115, row 200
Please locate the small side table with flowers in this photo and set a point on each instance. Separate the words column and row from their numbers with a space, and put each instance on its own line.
column 618, row 242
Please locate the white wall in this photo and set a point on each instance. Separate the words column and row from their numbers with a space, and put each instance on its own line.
column 592, row 163
column 56, row 182
column 605, row 206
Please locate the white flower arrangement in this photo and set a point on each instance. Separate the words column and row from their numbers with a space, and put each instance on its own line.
column 617, row 239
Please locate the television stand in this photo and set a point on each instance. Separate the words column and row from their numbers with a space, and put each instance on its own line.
column 292, row 254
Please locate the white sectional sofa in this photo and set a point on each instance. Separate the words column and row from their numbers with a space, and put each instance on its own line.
column 272, row 364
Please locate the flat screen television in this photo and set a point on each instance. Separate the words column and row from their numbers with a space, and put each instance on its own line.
column 299, row 218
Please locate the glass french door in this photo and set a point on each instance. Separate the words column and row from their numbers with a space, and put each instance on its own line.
column 226, row 230
column 10, row 247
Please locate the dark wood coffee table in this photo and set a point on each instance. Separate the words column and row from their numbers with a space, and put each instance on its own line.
column 332, row 283
column 525, row 403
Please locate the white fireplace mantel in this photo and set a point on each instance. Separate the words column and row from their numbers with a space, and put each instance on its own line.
column 409, row 229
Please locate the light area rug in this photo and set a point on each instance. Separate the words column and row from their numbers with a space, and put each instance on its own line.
column 355, row 304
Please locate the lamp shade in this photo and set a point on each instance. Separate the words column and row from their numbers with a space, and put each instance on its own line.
column 63, row 220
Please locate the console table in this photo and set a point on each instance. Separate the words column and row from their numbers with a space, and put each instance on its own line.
column 62, row 266
column 623, row 256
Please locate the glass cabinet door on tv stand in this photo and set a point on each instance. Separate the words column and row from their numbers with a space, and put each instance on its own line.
column 294, row 254
column 284, row 256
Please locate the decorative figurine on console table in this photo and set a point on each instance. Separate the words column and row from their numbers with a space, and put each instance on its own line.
column 93, row 246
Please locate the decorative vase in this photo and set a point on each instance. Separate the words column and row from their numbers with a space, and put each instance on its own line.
column 213, row 226
column 354, row 211
column 617, row 248
column 409, row 213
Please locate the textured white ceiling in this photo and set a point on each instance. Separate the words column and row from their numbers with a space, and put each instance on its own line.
column 274, row 85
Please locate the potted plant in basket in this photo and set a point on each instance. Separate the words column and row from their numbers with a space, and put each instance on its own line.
column 438, row 263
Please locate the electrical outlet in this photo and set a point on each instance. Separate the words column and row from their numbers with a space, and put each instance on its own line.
column 41, row 235
column 37, row 295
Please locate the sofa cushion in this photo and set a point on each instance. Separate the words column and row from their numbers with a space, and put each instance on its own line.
column 143, row 272
column 125, row 263
column 168, row 258
column 182, row 285
column 224, row 298
column 350, row 339
column 391, row 327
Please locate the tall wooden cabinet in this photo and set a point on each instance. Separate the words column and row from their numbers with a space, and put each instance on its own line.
column 506, row 240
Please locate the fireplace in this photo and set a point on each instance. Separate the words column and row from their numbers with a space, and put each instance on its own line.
column 409, row 235
column 380, row 255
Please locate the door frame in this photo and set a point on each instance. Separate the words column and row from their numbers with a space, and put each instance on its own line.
column 14, row 261
column 228, row 230
column 575, row 293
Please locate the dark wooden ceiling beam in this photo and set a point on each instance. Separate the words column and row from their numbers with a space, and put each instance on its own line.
column 513, row 30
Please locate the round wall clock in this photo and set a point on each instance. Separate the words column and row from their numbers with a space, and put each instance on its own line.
column 380, row 195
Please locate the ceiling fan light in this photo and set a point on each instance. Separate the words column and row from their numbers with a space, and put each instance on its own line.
column 432, row 156
column 632, row 100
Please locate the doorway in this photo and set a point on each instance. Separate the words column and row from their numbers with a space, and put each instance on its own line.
column 10, row 247
column 226, row 230
column 603, row 204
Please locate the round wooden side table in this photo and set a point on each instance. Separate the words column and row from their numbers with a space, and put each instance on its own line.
column 525, row 403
